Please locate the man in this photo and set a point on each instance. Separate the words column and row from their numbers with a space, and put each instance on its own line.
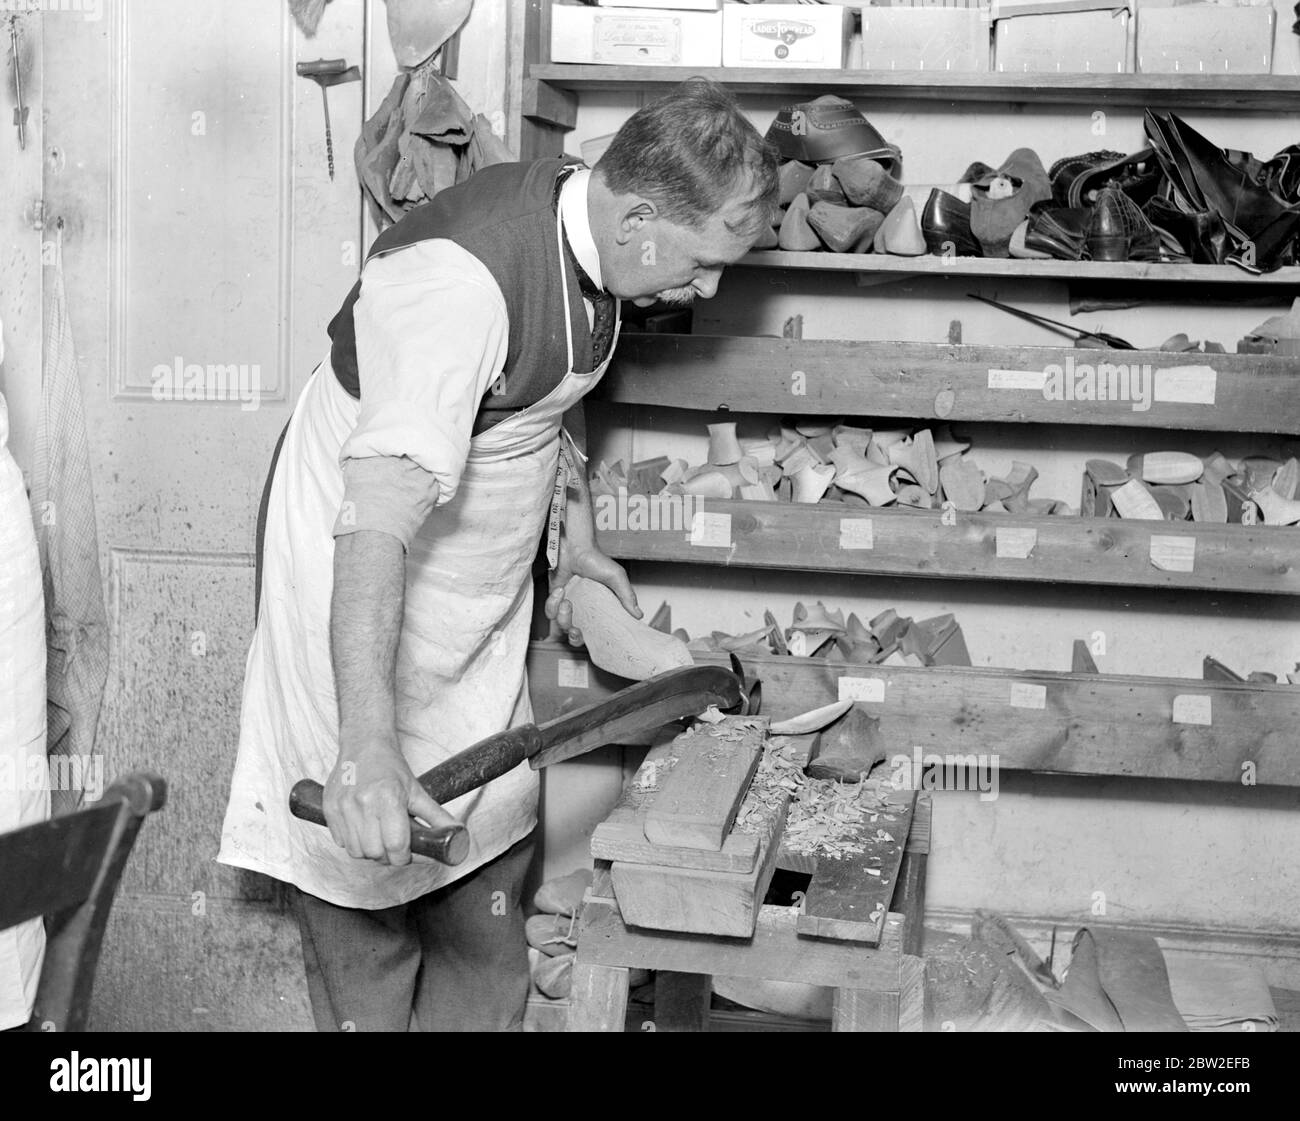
column 411, row 492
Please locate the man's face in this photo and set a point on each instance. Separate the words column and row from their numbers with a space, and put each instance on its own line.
column 663, row 260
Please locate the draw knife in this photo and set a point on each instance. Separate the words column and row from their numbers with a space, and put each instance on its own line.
column 642, row 707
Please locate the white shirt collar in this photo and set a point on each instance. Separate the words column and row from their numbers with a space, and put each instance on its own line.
column 577, row 224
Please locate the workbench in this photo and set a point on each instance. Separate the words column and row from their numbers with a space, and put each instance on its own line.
column 857, row 929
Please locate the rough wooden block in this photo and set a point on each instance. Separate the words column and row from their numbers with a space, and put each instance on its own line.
column 697, row 803
column 1166, row 467
column 692, row 901
column 615, row 640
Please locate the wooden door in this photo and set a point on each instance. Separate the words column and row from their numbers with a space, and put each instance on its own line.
column 205, row 249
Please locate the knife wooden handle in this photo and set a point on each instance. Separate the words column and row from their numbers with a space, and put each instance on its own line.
column 476, row 766
column 447, row 844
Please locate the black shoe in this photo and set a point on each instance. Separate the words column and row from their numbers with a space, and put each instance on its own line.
column 945, row 223
column 1108, row 238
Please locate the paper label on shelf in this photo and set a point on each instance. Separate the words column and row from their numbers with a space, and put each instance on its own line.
column 1191, row 385
column 1192, row 708
column 1015, row 542
column 1024, row 695
column 856, row 533
column 713, row 530
column 1173, row 554
column 571, row 674
column 1018, row 379
column 871, row 689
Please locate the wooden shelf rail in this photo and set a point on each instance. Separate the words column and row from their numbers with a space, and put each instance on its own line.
column 1032, row 720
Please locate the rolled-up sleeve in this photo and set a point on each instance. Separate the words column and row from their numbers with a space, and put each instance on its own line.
column 431, row 331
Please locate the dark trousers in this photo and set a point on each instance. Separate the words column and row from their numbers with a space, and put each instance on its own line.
column 452, row 960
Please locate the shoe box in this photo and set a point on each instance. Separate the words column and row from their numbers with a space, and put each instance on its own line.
column 648, row 36
column 786, row 35
column 1041, row 38
column 1197, row 38
column 953, row 40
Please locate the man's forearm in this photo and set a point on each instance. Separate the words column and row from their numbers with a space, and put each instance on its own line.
column 365, row 625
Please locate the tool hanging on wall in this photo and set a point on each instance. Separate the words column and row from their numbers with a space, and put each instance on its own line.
column 20, row 110
column 326, row 72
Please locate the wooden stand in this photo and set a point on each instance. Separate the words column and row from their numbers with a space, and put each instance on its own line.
column 879, row 988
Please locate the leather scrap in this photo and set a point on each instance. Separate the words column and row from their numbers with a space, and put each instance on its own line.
column 1117, row 982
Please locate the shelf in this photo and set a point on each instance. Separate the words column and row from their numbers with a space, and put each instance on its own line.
column 1066, row 550
column 919, row 381
column 1063, row 723
column 1012, row 268
column 1255, row 92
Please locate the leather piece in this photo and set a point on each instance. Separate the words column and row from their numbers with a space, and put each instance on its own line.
column 1118, row 982
column 994, row 219
column 1261, row 224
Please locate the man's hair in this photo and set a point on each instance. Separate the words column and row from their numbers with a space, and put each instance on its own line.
column 690, row 152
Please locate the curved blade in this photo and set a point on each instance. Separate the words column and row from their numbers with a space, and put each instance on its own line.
column 639, row 708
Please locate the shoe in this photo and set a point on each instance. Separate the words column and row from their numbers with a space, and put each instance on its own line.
column 945, row 225
column 792, row 179
column 796, row 235
column 1018, row 249
column 1058, row 231
column 1000, row 201
column 1066, row 170
column 1138, row 176
column 824, row 187
column 825, row 129
column 865, row 182
column 845, row 229
column 1108, row 237
column 900, row 232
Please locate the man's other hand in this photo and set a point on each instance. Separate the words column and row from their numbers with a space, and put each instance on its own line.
column 594, row 565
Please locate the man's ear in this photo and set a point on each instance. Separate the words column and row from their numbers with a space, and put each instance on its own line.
column 636, row 214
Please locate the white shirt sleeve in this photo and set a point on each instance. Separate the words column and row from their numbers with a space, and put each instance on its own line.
column 431, row 330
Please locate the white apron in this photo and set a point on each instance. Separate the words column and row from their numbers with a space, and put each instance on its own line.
column 24, row 773
column 460, row 659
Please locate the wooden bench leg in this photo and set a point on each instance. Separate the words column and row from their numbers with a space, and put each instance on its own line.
column 911, row 996
column 682, row 1001
column 864, row 1010
column 598, row 1000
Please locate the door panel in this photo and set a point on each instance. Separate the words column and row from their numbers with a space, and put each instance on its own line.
column 193, row 179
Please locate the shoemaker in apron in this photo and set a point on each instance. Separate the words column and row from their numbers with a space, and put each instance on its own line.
column 460, row 673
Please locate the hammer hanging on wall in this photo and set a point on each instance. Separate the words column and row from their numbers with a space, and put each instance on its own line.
column 326, row 72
